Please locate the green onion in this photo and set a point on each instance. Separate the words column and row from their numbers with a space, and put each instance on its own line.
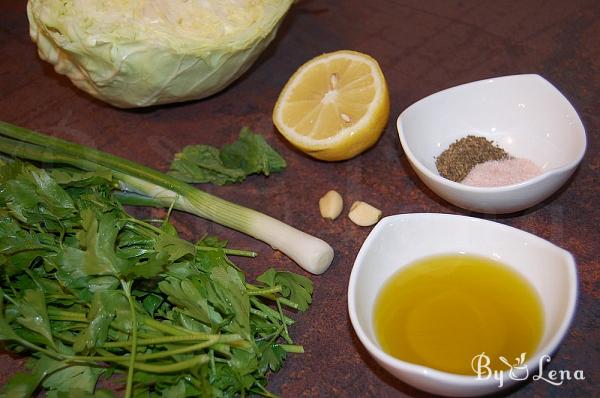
column 311, row 253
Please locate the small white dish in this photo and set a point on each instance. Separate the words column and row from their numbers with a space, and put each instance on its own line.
column 399, row 240
column 524, row 114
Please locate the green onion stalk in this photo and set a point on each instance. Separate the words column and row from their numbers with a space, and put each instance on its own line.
column 142, row 185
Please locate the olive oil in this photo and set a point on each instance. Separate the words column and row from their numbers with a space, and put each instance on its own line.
column 442, row 311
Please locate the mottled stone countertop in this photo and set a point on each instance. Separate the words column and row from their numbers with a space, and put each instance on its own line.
column 422, row 47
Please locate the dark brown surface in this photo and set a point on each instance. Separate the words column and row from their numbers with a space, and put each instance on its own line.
column 423, row 47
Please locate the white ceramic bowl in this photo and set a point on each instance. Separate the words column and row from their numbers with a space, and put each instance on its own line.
column 399, row 240
column 524, row 114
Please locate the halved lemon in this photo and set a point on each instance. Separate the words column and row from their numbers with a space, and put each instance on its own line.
column 335, row 106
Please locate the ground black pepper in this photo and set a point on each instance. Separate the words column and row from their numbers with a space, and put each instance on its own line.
column 464, row 154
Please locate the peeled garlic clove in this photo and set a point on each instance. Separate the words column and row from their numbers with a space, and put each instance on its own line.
column 363, row 214
column 331, row 205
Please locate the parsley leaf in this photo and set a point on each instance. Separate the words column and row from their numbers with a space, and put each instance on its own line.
column 34, row 315
column 250, row 154
column 296, row 287
column 272, row 356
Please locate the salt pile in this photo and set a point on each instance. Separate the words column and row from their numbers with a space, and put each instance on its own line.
column 495, row 173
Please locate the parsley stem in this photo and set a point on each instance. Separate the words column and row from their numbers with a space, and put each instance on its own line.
column 177, row 351
column 155, row 355
column 271, row 313
column 180, row 334
column 285, row 333
column 62, row 315
column 258, row 313
column 288, row 303
column 264, row 392
column 254, row 291
column 145, row 225
column 174, row 367
column 233, row 339
column 265, row 294
column 12, row 301
column 293, row 348
column 163, row 327
column 231, row 252
column 34, row 347
column 65, row 337
column 272, row 338
column 134, row 326
column 151, row 368
column 166, row 368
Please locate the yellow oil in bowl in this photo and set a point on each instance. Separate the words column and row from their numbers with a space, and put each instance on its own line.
column 442, row 311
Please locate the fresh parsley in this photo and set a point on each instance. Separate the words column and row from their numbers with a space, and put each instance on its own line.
column 87, row 291
column 250, row 154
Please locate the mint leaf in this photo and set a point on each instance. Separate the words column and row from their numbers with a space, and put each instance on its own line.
column 250, row 154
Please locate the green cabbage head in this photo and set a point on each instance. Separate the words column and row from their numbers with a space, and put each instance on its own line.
column 135, row 53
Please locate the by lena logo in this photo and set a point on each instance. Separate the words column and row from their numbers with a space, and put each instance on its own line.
column 518, row 370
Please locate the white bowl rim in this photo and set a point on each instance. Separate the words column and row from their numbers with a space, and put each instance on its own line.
column 456, row 379
column 504, row 188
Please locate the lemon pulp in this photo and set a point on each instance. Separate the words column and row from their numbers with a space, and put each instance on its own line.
column 335, row 106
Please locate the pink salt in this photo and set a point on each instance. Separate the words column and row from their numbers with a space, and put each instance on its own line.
column 496, row 173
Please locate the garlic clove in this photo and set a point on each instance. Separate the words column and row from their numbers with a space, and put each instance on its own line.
column 331, row 205
column 363, row 214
